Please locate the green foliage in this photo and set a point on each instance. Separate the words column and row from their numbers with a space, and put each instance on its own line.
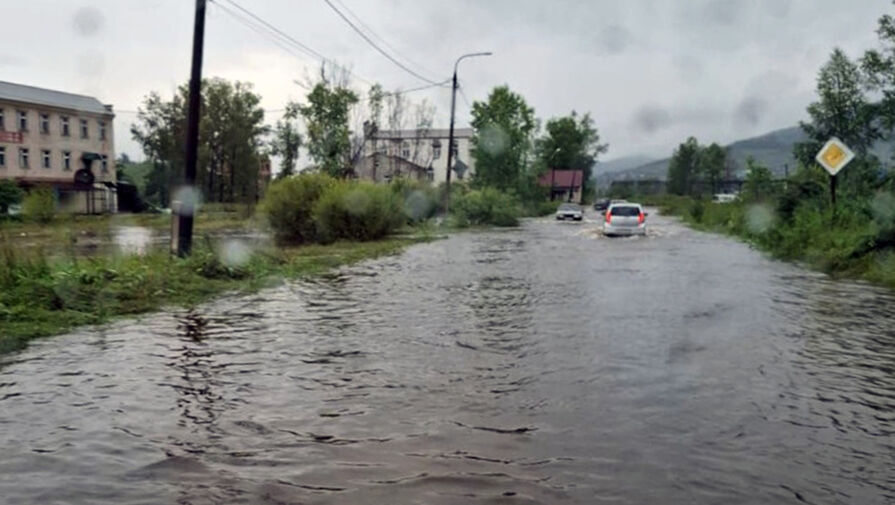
column 287, row 141
column 842, row 111
column 570, row 143
column 231, row 129
column 711, row 164
column 879, row 71
column 326, row 116
column 10, row 194
column 421, row 199
column 40, row 297
column 683, row 168
column 288, row 205
column 39, row 206
column 357, row 211
column 502, row 142
column 485, row 206
column 759, row 183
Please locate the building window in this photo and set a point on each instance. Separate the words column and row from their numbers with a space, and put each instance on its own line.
column 45, row 158
column 45, row 123
column 102, row 130
column 23, row 121
column 23, row 157
column 436, row 152
column 66, row 160
column 84, row 129
column 454, row 149
column 2, row 120
column 405, row 150
column 2, row 157
column 105, row 164
column 65, row 131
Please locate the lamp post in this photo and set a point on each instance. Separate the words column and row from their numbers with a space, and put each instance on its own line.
column 450, row 156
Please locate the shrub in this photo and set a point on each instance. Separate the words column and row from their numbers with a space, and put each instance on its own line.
column 39, row 206
column 289, row 203
column 485, row 206
column 420, row 199
column 357, row 211
column 10, row 194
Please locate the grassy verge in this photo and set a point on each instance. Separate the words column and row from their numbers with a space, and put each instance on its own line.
column 854, row 241
column 41, row 297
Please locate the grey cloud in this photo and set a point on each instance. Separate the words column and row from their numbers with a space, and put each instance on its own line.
column 651, row 118
column 778, row 8
column 725, row 12
column 615, row 39
column 751, row 110
column 88, row 21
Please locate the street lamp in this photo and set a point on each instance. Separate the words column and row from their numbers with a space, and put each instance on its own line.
column 450, row 156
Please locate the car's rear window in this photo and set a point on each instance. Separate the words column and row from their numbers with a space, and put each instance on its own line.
column 625, row 211
column 567, row 206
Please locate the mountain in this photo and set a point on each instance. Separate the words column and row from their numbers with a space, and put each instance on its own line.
column 773, row 149
column 620, row 164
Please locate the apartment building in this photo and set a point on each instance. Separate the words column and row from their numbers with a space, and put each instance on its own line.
column 415, row 153
column 62, row 141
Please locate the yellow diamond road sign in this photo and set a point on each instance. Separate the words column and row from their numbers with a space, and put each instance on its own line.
column 834, row 155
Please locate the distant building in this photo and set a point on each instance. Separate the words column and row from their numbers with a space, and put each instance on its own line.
column 564, row 185
column 419, row 154
column 60, row 141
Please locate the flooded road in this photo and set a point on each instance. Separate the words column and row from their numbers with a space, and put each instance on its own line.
column 538, row 365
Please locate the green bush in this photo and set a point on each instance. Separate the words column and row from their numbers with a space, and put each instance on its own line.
column 486, row 206
column 39, row 206
column 541, row 208
column 357, row 211
column 10, row 194
column 289, row 203
column 420, row 199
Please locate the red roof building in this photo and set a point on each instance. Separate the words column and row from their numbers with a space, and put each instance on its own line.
column 565, row 185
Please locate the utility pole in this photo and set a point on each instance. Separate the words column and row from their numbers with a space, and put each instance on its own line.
column 450, row 155
column 184, row 211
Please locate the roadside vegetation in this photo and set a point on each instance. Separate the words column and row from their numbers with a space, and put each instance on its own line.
column 794, row 218
column 41, row 297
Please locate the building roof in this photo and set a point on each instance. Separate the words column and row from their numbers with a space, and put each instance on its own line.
column 562, row 178
column 41, row 96
column 431, row 133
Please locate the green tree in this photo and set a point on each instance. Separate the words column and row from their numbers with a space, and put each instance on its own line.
column 570, row 143
column 710, row 165
column 10, row 194
column 287, row 141
column 329, row 137
column 231, row 129
column 842, row 111
column 759, row 184
column 683, row 168
column 879, row 69
column 502, row 141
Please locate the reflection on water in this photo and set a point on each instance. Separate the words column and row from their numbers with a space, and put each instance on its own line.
column 132, row 239
column 529, row 366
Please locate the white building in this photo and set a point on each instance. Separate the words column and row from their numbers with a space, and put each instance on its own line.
column 60, row 141
column 420, row 154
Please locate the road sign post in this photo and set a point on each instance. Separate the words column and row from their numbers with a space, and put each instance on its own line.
column 833, row 156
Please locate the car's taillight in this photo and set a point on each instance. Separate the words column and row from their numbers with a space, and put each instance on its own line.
column 640, row 218
column 608, row 217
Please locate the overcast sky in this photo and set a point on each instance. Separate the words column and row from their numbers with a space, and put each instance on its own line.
column 651, row 72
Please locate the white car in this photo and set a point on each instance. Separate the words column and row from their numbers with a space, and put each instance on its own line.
column 569, row 211
column 624, row 219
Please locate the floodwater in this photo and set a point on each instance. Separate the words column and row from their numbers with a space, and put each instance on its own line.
column 538, row 365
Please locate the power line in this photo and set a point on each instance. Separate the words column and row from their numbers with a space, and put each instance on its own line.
column 303, row 47
column 380, row 38
column 259, row 29
column 374, row 45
